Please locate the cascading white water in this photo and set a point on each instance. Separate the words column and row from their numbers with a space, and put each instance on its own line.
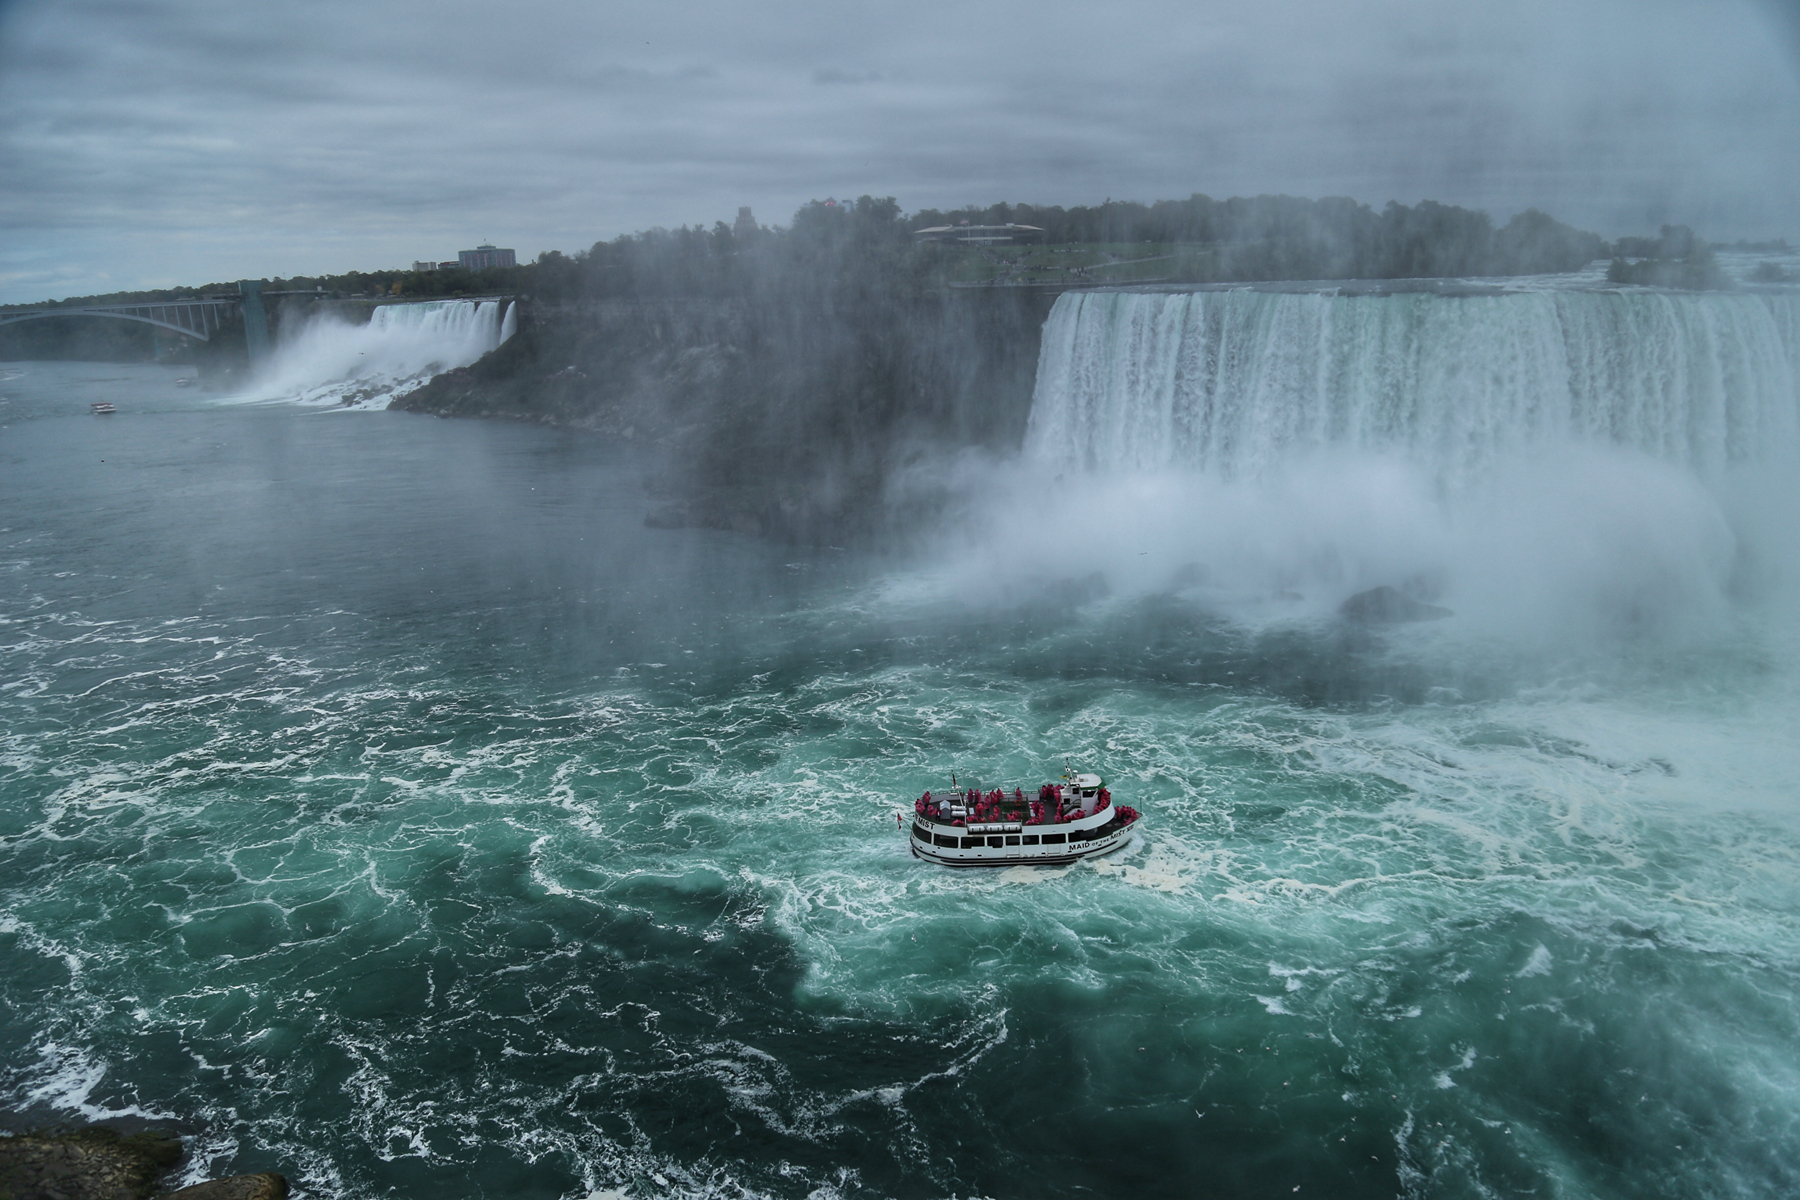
column 332, row 361
column 1549, row 463
column 1232, row 382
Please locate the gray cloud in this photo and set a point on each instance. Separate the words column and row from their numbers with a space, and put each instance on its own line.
column 145, row 144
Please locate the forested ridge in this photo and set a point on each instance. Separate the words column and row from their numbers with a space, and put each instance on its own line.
column 1261, row 237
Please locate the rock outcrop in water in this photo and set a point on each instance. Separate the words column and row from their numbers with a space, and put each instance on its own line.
column 265, row 1186
column 85, row 1164
column 99, row 1163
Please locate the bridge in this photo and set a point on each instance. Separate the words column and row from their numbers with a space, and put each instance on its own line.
column 198, row 319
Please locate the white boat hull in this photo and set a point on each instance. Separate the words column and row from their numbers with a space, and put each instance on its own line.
column 1049, row 845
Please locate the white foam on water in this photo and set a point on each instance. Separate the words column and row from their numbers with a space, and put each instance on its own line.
column 64, row 1078
column 1540, row 963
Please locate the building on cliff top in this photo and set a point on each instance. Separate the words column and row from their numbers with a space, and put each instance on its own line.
column 485, row 256
column 985, row 235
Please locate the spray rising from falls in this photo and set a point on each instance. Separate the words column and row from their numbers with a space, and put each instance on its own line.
column 331, row 361
column 1549, row 464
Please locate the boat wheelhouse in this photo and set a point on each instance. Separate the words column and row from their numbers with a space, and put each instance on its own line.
column 1060, row 825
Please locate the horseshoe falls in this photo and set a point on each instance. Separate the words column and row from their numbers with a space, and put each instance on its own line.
column 1231, row 381
column 1554, row 464
column 383, row 803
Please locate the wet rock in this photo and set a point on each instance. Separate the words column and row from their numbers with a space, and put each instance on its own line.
column 1389, row 606
column 266, row 1186
column 84, row 1164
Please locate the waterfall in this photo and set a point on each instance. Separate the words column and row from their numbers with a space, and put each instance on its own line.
column 1553, row 465
column 1229, row 383
column 330, row 360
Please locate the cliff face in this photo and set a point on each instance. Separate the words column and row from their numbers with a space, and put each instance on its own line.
column 633, row 369
column 782, row 416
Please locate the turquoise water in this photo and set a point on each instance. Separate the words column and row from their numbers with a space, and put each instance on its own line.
column 384, row 804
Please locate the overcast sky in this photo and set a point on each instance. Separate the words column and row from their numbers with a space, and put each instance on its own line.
column 151, row 143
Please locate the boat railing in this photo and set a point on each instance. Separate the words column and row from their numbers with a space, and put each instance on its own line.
column 951, row 814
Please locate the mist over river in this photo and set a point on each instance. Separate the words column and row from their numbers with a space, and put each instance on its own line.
column 384, row 804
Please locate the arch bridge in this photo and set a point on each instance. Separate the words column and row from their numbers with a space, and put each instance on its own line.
column 198, row 319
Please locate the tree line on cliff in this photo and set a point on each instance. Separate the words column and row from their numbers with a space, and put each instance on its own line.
column 1255, row 238
column 1674, row 258
column 1288, row 237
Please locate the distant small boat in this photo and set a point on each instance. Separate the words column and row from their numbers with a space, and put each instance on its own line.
column 102, row 407
column 184, row 381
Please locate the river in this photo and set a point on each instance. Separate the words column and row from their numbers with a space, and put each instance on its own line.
column 383, row 803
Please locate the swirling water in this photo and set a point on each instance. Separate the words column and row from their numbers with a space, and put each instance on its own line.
column 384, row 804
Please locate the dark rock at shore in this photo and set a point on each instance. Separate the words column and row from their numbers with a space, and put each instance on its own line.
column 97, row 1163
column 266, row 1186
column 1389, row 606
column 85, row 1164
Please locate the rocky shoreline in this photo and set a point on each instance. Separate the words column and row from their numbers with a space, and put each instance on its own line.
column 95, row 1162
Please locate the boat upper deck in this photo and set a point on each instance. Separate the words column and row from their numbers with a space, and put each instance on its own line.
column 1085, row 804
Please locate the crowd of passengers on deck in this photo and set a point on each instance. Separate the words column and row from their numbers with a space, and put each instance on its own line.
column 976, row 807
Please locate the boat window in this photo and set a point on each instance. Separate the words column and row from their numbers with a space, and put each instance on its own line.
column 1031, row 839
column 996, row 842
column 944, row 839
column 1055, row 839
column 974, row 842
column 922, row 833
column 1012, row 839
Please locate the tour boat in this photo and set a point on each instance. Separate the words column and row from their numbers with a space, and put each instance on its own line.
column 975, row 828
column 102, row 407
